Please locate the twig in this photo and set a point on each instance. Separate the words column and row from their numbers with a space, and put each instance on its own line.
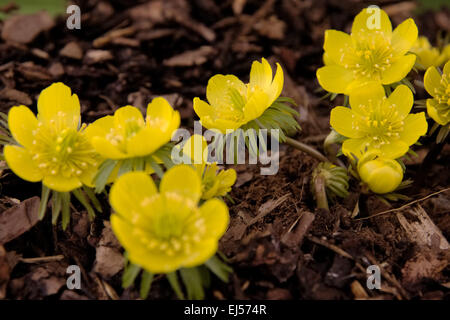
column 42, row 259
column 330, row 246
column 405, row 205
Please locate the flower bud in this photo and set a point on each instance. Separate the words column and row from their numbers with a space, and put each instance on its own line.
column 382, row 175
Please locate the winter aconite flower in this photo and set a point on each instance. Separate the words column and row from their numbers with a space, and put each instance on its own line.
column 382, row 175
column 438, row 86
column 377, row 122
column 370, row 53
column 215, row 182
column 232, row 103
column 52, row 146
column 166, row 230
column 126, row 134
column 427, row 55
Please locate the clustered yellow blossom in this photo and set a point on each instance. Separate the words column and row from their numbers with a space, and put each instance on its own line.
column 52, row 147
column 371, row 53
column 438, row 86
column 166, row 230
column 375, row 121
column 232, row 103
column 429, row 56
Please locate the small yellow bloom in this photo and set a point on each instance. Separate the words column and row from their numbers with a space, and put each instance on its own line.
column 427, row 55
column 366, row 55
column 382, row 175
column 377, row 122
column 166, row 230
column 52, row 148
column 438, row 86
column 215, row 182
column 127, row 135
column 233, row 103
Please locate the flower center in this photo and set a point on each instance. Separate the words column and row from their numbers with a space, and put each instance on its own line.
column 442, row 96
column 369, row 57
column 175, row 229
column 66, row 152
column 380, row 123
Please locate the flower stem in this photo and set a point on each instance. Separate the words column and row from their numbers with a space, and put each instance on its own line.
column 320, row 193
column 307, row 149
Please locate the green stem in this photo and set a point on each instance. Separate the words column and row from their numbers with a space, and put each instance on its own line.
column 306, row 149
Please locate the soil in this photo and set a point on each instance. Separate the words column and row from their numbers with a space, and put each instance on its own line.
column 279, row 245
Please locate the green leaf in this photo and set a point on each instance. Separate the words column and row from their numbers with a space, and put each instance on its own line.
column 219, row 268
column 82, row 198
column 175, row 284
column 146, row 283
column 104, row 171
column 44, row 200
column 125, row 166
column 53, row 7
column 65, row 201
column 56, row 206
column 129, row 275
column 91, row 195
column 156, row 167
column 192, row 279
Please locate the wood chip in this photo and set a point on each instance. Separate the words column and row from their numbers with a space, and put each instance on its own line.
column 19, row 219
column 25, row 28
column 191, row 58
column 15, row 96
column 72, row 50
column 98, row 56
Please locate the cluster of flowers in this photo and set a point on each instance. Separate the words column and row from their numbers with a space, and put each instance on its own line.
column 370, row 66
column 170, row 217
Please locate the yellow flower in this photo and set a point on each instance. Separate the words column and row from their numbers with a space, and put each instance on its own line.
column 233, row 103
column 427, row 56
column 382, row 175
column 166, row 230
column 215, row 182
column 438, row 86
column 374, row 121
column 52, row 148
column 366, row 55
column 126, row 134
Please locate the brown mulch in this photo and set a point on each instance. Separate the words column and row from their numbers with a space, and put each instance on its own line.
column 279, row 245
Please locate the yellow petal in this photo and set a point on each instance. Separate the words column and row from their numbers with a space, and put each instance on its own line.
column 364, row 95
column 219, row 86
column 196, row 149
column 202, row 108
column 432, row 80
column 22, row 122
column 402, row 99
column 277, row 85
column 446, row 69
column 415, row 126
column 404, row 37
column 354, row 147
column 256, row 105
column 128, row 193
column 159, row 113
column 57, row 103
column 125, row 116
column 399, row 69
column 434, row 114
column 146, row 141
column 200, row 253
column 100, row 127
column 261, row 75
column 341, row 121
column 106, row 149
column 61, row 184
column 335, row 78
column 394, row 149
column 227, row 178
column 371, row 20
column 182, row 180
column 21, row 163
column 335, row 43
